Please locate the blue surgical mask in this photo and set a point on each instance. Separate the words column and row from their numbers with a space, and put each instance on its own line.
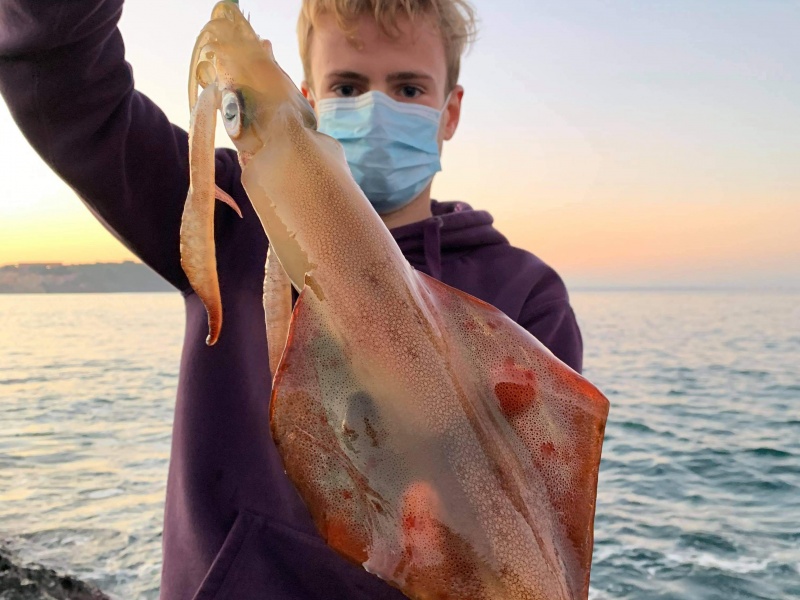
column 391, row 147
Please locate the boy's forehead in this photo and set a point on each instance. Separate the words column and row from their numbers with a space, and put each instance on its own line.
column 418, row 46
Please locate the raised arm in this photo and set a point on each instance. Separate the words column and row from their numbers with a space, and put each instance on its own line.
column 64, row 77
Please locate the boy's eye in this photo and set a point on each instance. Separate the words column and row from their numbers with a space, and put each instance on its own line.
column 410, row 91
column 345, row 90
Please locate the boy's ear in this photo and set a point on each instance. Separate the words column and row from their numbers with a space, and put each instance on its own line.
column 306, row 91
column 452, row 112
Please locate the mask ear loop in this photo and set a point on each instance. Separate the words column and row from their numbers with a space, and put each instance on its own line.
column 443, row 110
column 447, row 100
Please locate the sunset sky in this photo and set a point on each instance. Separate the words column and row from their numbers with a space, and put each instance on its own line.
column 627, row 143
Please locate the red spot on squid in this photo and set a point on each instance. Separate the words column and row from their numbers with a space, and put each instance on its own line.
column 548, row 448
column 514, row 398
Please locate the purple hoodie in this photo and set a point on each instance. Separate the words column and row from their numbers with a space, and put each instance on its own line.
column 234, row 526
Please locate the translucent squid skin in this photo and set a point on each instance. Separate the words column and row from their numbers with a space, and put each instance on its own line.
column 434, row 441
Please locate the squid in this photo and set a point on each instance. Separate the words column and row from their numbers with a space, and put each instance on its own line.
column 434, row 441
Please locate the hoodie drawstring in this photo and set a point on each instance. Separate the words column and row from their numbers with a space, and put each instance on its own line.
column 432, row 243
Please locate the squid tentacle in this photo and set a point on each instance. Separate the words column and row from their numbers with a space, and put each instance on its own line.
column 197, row 227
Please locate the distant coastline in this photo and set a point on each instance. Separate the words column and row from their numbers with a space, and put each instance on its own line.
column 131, row 277
column 57, row 278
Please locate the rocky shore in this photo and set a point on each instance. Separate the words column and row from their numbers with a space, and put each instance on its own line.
column 21, row 581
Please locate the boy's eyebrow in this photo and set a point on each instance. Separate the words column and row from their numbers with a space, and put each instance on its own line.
column 349, row 75
column 407, row 76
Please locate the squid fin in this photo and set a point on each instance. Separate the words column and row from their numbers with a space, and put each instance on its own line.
column 557, row 417
column 379, row 495
column 313, row 375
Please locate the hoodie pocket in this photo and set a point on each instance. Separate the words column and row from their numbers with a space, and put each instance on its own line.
column 262, row 559
column 226, row 557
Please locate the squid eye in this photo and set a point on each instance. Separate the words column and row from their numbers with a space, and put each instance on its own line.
column 231, row 114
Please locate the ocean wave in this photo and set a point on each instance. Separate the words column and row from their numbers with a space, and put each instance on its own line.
column 24, row 380
column 742, row 565
column 654, row 562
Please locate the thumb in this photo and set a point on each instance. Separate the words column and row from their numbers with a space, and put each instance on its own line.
column 423, row 532
column 439, row 562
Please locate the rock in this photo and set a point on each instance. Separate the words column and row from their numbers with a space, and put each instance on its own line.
column 35, row 582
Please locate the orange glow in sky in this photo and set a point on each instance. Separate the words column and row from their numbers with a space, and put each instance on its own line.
column 637, row 145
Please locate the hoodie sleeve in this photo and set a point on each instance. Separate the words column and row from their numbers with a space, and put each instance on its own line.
column 555, row 326
column 64, row 77
column 547, row 314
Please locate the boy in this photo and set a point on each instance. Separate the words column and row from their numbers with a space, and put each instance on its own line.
column 234, row 526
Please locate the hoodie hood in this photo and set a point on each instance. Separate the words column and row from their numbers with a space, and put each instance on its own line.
column 454, row 229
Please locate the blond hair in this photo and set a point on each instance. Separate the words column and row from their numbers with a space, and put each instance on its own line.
column 455, row 20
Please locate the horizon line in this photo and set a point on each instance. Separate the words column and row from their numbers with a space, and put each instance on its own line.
column 574, row 287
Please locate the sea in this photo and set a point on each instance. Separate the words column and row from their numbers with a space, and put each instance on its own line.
column 699, row 491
